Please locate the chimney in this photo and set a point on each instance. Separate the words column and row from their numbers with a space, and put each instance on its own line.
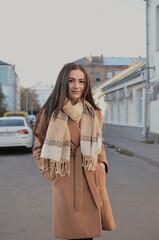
column 135, row 60
column 90, row 58
column 101, row 58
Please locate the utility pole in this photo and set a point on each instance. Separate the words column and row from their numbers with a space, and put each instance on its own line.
column 144, row 134
column 32, row 108
column 27, row 96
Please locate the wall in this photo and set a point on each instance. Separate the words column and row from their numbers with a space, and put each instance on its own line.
column 10, row 87
column 103, row 72
column 153, row 37
column 154, row 62
column 154, row 110
column 131, row 104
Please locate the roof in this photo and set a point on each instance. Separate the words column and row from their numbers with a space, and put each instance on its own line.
column 120, row 61
column 133, row 75
column 4, row 63
column 109, row 61
column 125, row 74
column 40, row 86
column 83, row 61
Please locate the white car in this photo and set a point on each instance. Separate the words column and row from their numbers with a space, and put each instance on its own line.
column 15, row 132
column 32, row 119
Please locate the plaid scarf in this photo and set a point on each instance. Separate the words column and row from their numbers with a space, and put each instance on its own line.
column 55, row 154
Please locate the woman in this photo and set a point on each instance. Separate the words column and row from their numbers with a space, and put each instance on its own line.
column 68, row 151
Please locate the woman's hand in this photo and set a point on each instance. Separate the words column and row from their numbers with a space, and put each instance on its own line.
column 102, row 164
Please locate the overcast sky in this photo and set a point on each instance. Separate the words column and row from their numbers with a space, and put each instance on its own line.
column 40, row 36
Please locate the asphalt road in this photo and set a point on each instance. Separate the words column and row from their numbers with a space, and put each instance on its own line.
column 26, row 198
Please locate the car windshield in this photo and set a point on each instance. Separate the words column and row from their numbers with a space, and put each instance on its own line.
column 31, row 117
column 15, row 115
column 11, row 122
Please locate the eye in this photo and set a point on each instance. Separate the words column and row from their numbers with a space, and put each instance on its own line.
column 81, row 81
column 70, row 80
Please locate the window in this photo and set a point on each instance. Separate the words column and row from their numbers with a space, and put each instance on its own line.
column 11, row 122
column 97, row 76
column 106, row 116
column 111, row 112
column 109, row 75
column 118, row 108
column 157, row 27
column 126, row 109
column 117, row 71
column 139, row 107
column 3, row 75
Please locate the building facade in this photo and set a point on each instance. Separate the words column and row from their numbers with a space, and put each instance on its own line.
column 153, row 67
column 43, row 91
column 122, row 102
column 10, row 84
column 141, row 110
column 102, row 68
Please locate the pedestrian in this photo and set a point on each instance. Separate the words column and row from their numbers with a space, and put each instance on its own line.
column 69, row 152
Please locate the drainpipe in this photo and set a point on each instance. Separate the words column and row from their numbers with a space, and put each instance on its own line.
column 144, row 133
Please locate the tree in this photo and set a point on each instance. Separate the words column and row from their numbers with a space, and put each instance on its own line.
column 3, row 105
column 32, row 97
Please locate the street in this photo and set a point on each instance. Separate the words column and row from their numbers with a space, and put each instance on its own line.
column 26, row 198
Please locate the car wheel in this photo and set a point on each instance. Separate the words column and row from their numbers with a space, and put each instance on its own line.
column 29, row 150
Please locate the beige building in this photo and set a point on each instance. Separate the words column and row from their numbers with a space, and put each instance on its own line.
column 104, row 68
column 122, row 102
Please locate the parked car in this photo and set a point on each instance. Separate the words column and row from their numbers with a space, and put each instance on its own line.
column 32, row 119
column 17, row 114
column 15, row 132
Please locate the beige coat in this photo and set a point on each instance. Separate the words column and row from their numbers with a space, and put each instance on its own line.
column 81, row 207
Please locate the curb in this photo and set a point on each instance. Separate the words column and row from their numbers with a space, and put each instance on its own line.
column 140, row 156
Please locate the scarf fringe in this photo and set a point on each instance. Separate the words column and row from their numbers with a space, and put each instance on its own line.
column 54, row 167
column 89, row 163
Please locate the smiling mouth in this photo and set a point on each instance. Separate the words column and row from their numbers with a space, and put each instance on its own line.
column 75, row 92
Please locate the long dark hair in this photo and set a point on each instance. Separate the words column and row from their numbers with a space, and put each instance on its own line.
column 60, row 92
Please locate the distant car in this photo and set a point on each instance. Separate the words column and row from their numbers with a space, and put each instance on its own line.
column 17, row 114
column 15, row 132
column 32, row 119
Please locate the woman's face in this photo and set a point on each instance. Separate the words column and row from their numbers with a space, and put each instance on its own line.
column 76, row 84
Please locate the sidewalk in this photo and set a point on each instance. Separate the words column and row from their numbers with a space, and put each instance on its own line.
column 146, row 152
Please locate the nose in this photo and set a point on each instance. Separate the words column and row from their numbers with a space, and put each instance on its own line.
column 76, row 84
